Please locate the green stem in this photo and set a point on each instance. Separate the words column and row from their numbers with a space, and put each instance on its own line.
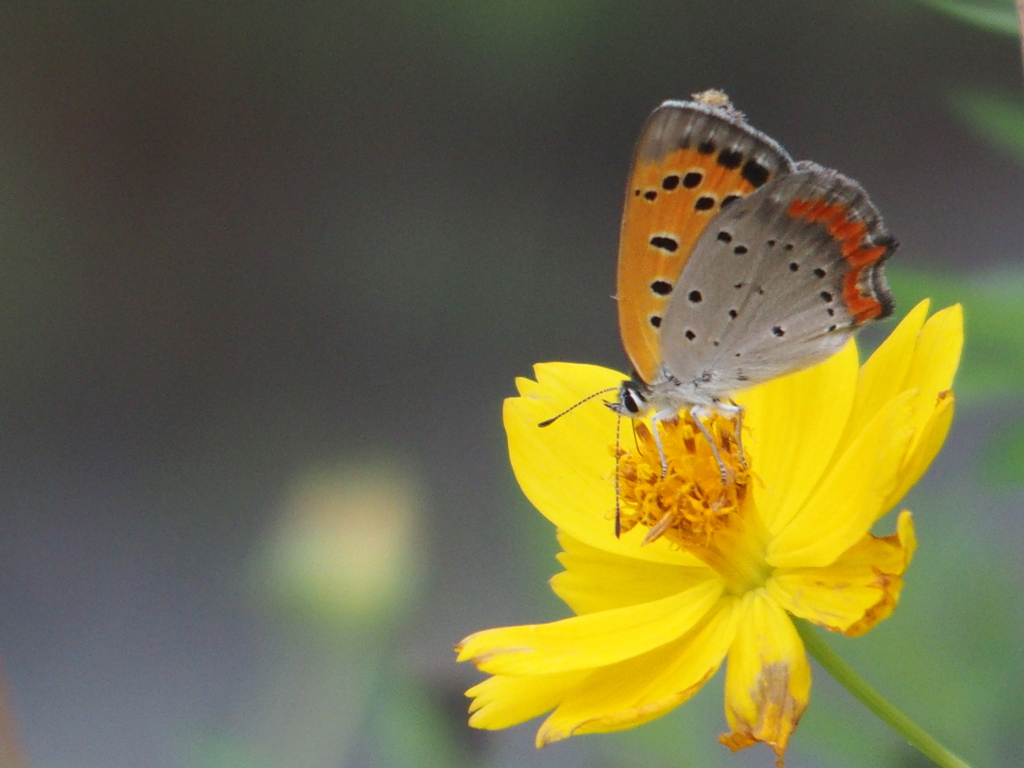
column 870, row 698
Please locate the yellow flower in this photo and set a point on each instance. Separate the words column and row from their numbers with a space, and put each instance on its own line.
column 703, row 571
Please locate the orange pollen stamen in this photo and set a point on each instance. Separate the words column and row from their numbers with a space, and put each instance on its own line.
column 691, row 506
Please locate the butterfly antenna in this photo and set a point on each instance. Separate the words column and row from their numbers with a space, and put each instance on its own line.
column 557, row 416
column 618, row 503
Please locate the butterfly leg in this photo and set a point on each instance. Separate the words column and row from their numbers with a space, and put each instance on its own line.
column 696, row 413
column 657, row 438
column 735, row 410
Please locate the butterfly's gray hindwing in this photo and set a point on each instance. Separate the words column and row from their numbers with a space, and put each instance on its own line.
column 767, row 290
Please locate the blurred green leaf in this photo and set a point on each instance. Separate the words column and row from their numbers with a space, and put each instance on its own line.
column 223, row 753
column 997, row 16
column 950, row 654
column 998, row 118
column 407, row 728
column 993, row 361
column 1004, row 455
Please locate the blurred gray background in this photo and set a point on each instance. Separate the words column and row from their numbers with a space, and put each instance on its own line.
column 267, row 271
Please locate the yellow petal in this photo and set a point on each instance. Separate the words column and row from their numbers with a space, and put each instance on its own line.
column 937, row 352
column 500, row 701
column 596, row 580
column 593, row 640
column 768, row 678
column 858, row 590
column 884, row 375
column 917, row 355
column 934, row 364
column 642, row 688
column 791, row 427
column 567, row 469
column 927, row 442
column 850, row 497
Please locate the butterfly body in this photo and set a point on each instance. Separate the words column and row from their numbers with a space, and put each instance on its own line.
column 736, row 265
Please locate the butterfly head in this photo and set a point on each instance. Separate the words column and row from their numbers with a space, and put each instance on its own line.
column 633, row 400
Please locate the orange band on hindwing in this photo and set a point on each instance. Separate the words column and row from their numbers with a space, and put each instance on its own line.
column 859, row 293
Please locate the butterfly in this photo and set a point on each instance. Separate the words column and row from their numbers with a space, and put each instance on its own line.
column 736, row 264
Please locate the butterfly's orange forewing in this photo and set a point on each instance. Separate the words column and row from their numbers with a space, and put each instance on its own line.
column 673, row 193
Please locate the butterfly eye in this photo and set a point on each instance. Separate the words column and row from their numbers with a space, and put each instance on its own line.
column 630, row 399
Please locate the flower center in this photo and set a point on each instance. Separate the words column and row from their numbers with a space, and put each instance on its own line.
column 691, row 506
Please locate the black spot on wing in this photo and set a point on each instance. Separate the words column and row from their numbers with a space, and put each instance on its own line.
column 725, row 237
column 670, row 182
column 693, row 179
column 755, row 173
column 650, row 194
column 656, row 321
column 778, row 331
column 661, row 287
column 704, row 203
column 728, row 200
column 730, row 158
column 690, row 334
column 695, row 297
column 706, row 147
column 665, row 243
